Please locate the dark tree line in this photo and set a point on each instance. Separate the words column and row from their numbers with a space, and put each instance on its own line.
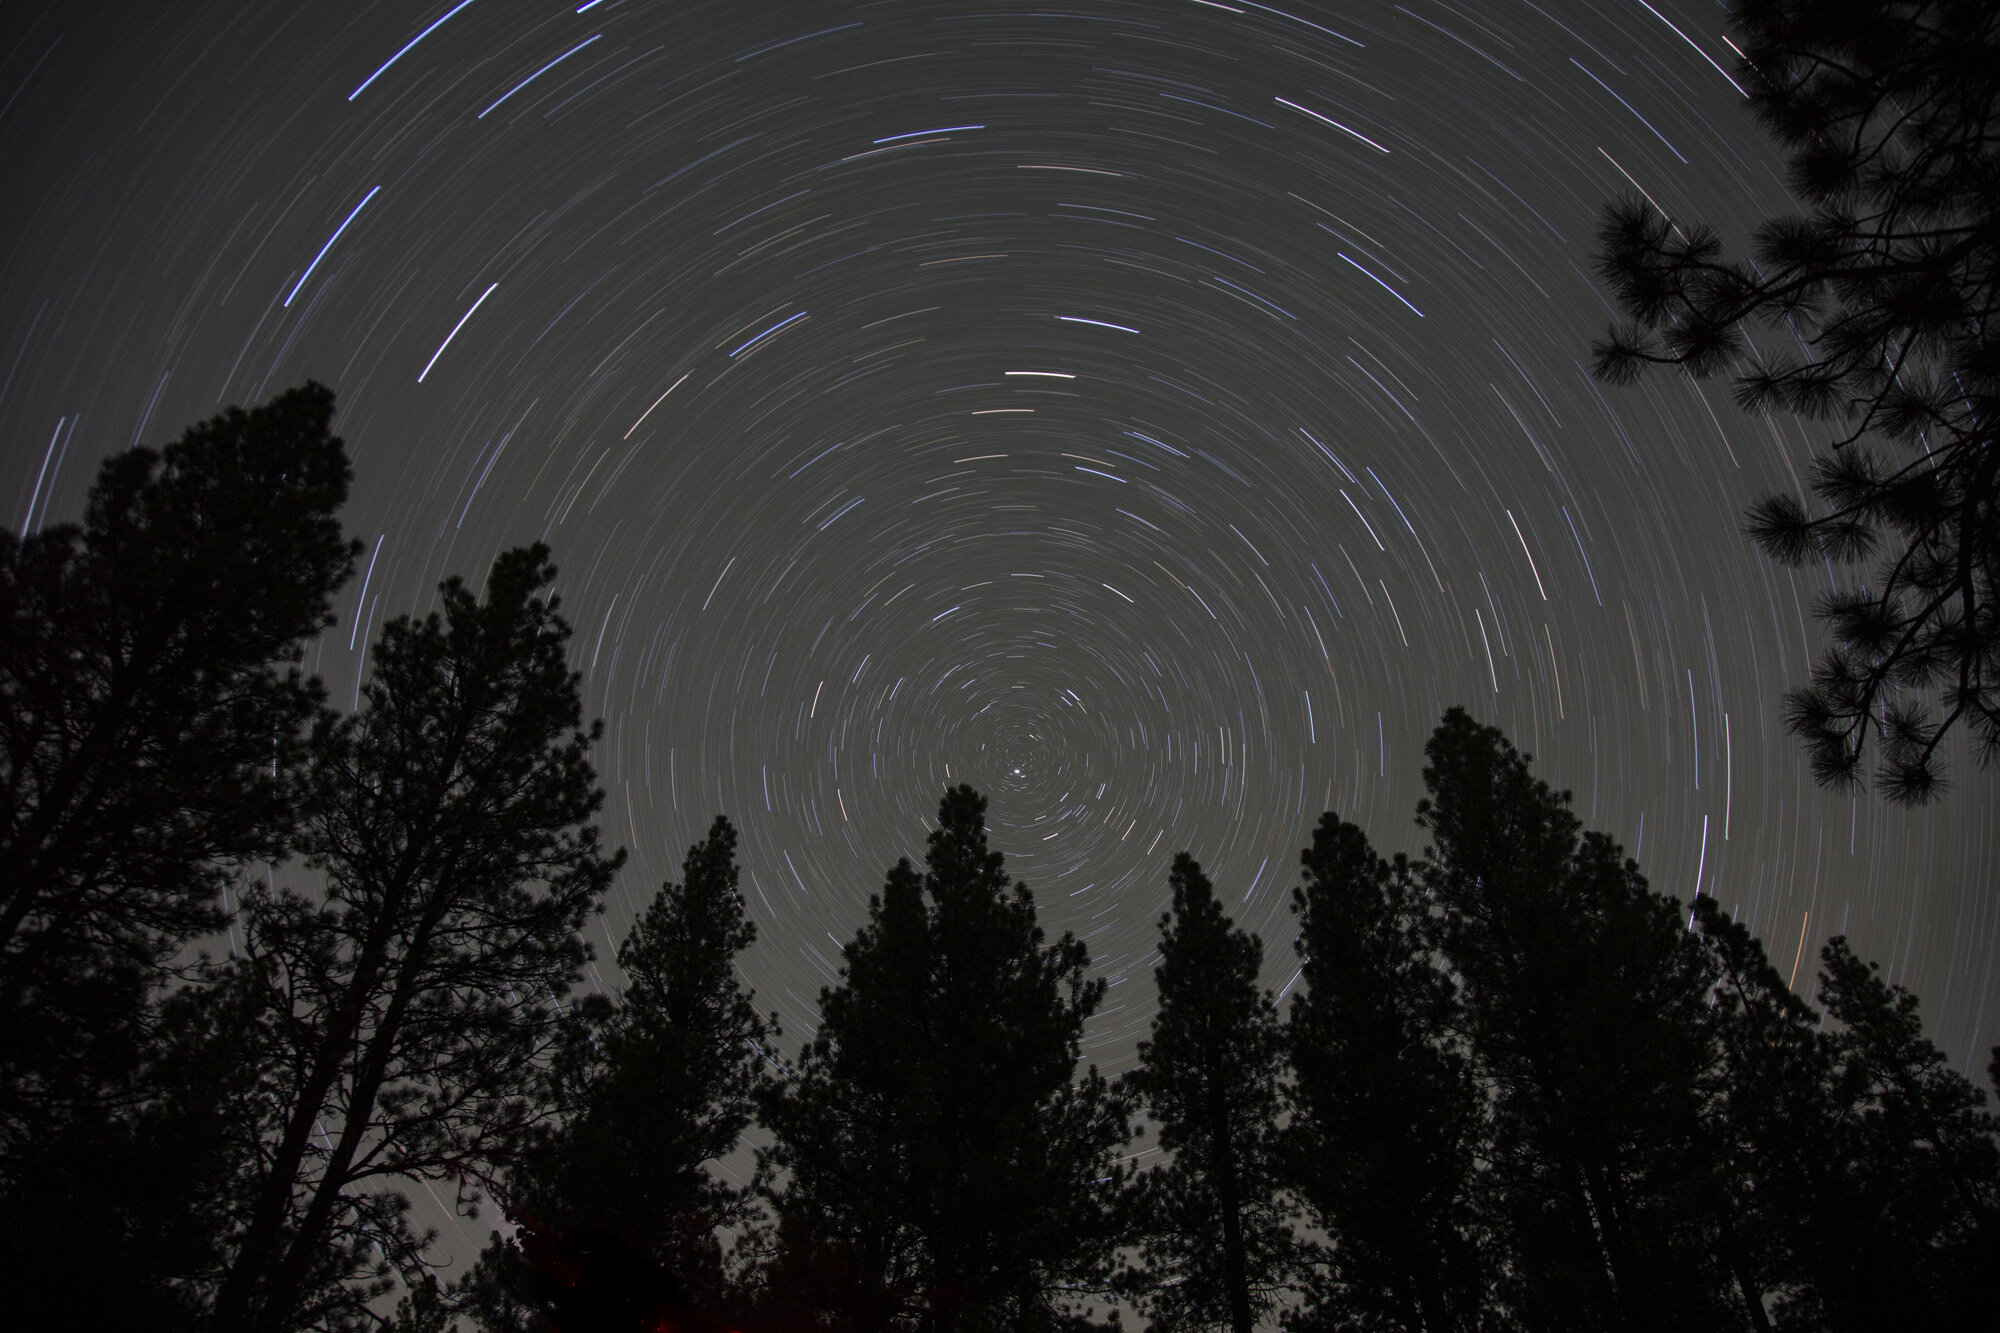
column 1523, row 1090
column 1516, row 1088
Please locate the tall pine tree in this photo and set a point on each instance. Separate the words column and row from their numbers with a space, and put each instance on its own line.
column 1387, row 1124
column 1767, row 1115
column 1586, row 1000
column 154, row 715
column 656, row 1090
column 1215, row 1239
column 1864, row 1172
column 1906, row 1226
column 406, row 1012
column 944, row 1168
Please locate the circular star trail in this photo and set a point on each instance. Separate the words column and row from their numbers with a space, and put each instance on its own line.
column 1154, row 414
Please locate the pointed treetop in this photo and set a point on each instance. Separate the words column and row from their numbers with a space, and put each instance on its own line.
column 1193, row 894
column 957, row 855
column 1483, row 797
column 1340, row 854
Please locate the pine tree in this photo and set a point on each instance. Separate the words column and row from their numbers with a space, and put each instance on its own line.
column 1875, row 313
column 944, row 1167
column 154, row 714
column 1767, row 1117
column 1906, row 1226
column 1387, row 1124
column 660, row 1088
column 1216, row 1241
column 1864, row 1171
column 406, row 1013
column 151, row 1178
column 1585, row 998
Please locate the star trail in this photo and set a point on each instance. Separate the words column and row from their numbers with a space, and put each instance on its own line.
column 1154, row 414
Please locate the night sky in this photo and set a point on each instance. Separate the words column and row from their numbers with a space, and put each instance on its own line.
column 1154, row 414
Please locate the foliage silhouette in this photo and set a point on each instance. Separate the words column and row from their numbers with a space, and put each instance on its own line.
column 1525, row 1091
column 1387, row 1123
column 151, row 1180
column 155, row 717
column 1864, row 1171
column 1584, row 999
column 1883, row 305
column 1214, row 1234
column 405, row 1016
column 1906, row 1223
column 652, row 1091
column 944, row 1167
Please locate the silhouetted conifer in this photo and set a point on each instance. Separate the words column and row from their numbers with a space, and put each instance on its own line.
column 943, row 1166
column 154, row 714
column 153, row 1180
column 656, row 1089
column 1864, row 1173
column 1766, row 1119
column 1880, row 313
column 405, row 1014
column 1585, row 1000
column 1216, row 1242
column 1905, row 1223
column 1387, row 1125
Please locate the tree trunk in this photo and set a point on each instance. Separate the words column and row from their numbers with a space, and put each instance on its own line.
column 1229, row 1194
column 233, row 1311
column 291, row 1270
column 260, row 1251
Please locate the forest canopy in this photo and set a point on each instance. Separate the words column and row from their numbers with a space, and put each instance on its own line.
column 270, row 966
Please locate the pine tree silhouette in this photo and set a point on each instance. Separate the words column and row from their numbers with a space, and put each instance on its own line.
column 406, row 1015
column 1387, row 1123
column 1216, row 1242
column 945, row 1168
column 651, row 1092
